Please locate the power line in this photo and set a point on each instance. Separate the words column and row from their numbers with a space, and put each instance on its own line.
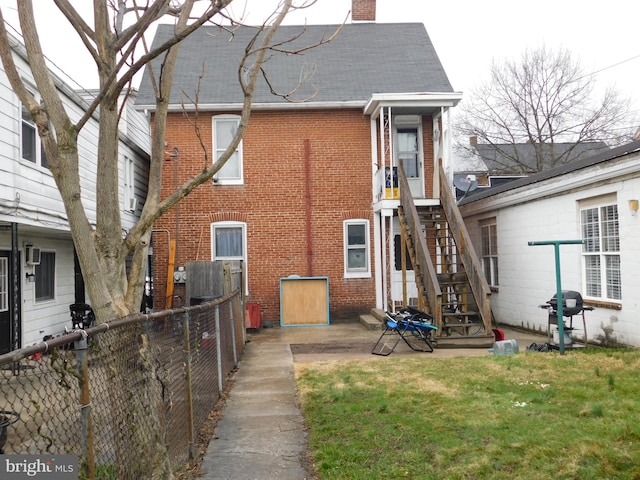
column 53, row 64
column 609, row 67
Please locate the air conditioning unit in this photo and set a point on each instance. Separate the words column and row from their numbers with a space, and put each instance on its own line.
column 32, row 255
column 133, row 203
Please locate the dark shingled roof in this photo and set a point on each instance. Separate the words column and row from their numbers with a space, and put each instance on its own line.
column 363, row 59
column 602, row 157
column 499, row 158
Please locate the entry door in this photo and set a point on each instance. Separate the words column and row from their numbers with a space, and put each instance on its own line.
column 6, row 335
column 409, row 154
column 396, row 272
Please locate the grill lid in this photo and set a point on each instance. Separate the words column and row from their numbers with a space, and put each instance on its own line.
column 567, row 294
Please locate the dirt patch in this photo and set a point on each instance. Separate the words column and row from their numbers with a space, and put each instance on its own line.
column 308, row 348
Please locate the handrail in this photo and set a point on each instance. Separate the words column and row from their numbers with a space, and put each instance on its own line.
column 423, row 259
column 466, row 252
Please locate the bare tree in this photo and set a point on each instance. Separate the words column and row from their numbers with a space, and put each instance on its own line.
column 545, row 101
column 117, row 44
column 114, row 42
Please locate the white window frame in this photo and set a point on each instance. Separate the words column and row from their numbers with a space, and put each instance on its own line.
column 221, row 178
column 27, row 122
column 357, row 272
column 130, row 202
column 243, row 257
column 489, row 251
column 607, row 258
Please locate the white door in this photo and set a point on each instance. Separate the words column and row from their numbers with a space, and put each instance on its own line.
column 409, row 154
column 396, row 272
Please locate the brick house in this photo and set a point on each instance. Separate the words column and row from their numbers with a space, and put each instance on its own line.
column 312, row 189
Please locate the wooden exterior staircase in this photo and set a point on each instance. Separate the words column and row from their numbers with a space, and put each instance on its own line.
column 451, row 285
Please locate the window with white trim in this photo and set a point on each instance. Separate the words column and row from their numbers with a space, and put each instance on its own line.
column 224, row 129
column 489, row 233
column 130, row 202
column 356, row 249
column 601, row 251
column 31, row 146
column 228, row 241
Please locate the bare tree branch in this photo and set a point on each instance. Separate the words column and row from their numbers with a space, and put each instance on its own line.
column 545, row 100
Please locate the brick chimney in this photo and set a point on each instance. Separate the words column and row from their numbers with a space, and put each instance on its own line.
column 363, row 10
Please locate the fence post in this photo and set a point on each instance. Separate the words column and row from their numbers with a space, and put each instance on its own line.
column 82, row 360
column 233, row 334
column 188, row 393
column 219, row 349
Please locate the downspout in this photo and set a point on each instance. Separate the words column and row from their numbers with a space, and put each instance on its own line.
column 15, row 277
column 307, row 175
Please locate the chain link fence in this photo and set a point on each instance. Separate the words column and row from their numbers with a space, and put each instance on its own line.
column 128, row 397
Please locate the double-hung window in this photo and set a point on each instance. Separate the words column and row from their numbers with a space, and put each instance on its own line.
column 224, row 129
column 130, row 201
column 228, row 240
column 356, row 249
column 32, row 150
column 489, row 234
column 601, row 251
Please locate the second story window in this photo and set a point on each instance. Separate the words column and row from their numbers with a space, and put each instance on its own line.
column 130, row 201
column 31, row 150
column 224, row 129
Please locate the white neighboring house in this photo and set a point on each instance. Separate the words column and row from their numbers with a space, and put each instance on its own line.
column 36, row 250
column 593, row 199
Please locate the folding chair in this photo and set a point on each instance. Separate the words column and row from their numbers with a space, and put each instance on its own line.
column 410, row 325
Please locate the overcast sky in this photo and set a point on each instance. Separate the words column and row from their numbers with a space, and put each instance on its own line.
column 467, row 34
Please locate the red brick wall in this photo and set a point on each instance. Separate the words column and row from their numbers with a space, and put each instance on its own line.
column 363, row 10
column 427, row 146
column 273, row 202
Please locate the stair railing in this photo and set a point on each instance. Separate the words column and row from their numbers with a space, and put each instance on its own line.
column 425, row 267
column 466, row 252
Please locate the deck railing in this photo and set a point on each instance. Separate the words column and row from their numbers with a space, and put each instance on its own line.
column 466, row 252
column 424, row 264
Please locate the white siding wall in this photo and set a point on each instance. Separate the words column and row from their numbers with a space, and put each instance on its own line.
column 527, row 273
column 29, row 197
column 48, row 317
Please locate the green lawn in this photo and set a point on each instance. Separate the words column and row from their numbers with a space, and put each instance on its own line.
column 528, row 416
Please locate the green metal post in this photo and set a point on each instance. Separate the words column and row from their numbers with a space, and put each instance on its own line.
column 556, row 245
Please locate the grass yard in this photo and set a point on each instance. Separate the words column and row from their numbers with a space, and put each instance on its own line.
column 528, row 416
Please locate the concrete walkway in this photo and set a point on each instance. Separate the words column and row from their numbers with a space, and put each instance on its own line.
column 261, row 434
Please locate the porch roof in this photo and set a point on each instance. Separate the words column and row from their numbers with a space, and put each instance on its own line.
column 364, row 60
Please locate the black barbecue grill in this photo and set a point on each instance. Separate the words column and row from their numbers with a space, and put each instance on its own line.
column 570, row 312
